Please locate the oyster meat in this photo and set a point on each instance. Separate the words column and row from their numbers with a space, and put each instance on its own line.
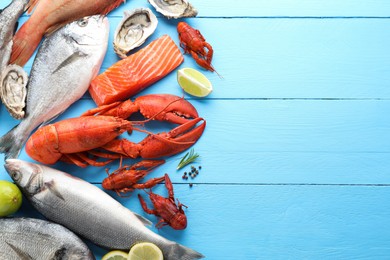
column 174, row 8
column 136, row 26
column 13, row 90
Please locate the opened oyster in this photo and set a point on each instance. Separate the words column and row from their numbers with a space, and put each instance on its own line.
column 136, row 26
column 174, row 8
column 13, row 90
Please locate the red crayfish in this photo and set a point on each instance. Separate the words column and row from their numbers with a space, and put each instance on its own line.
column 84, row 139
column 125, row 179
column 193, row 42
column 166, row 208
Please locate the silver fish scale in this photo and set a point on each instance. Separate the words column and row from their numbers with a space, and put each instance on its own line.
column 27, row 238
column 87, row 210
column 8, row 19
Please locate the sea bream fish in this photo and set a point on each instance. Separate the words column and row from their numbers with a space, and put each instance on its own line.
column 65, row 64
column 8, row 23
column 29, row 238
column 87, row 210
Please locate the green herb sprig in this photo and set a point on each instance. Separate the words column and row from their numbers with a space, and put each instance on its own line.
column 190, row 157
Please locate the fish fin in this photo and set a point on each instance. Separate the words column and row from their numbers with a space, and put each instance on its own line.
column 11, row 143
column 24, row 45
column 112, row 6
column 182, row 252
column 144, row 220
column 30, row 6
column 73, row 57
column 52, row 187
column 22, row 255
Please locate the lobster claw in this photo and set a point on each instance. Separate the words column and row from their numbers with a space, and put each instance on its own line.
column 166, row 107
column 162, row 107
column 162, row 144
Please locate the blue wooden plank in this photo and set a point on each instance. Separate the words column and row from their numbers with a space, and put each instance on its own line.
column 278, row 222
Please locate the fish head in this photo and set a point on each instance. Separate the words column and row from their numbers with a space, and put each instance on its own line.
column 88, row 31
column 27, row 175
column 73, row 253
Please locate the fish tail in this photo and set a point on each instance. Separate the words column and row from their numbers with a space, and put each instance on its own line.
column 24, row 45
column 178, row 251
column 12, row 142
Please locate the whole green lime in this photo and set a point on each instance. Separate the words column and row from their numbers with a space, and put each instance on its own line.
column 10, row 198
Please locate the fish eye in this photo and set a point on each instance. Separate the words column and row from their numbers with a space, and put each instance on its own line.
column 16, row 176
column 82, row 22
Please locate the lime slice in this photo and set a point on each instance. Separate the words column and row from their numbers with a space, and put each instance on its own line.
column 145, row 251
column 115, row 255
column 194, row 82
column 10, row 198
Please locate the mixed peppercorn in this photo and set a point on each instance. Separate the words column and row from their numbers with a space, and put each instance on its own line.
column 191, row 174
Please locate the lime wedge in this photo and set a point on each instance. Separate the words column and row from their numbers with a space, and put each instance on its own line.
column 115, row 255
column 145, row 251
column 10, row 198
column 194, row 82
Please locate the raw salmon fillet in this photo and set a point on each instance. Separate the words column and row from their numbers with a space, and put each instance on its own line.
column 129, row 76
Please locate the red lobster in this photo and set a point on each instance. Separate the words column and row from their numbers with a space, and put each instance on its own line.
column 193, row 42
column 75, row 140
column 125, row 178
column 166, row 208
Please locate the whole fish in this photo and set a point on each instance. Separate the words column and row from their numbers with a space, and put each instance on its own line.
column 28, row 238
column 87, row 210
column 66, row 63
column 8, row 22
column 48, row 16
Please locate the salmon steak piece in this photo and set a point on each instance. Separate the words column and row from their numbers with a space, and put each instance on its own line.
column 131, row 75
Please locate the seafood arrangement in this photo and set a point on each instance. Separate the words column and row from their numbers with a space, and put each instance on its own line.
column 74, row 38
column 74, row 202
column 53, row 84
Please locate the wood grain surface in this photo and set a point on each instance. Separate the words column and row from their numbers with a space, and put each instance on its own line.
column 296, row 153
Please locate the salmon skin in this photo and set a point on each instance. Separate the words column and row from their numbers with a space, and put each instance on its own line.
column 131, row 75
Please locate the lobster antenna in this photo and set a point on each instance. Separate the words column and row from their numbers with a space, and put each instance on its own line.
column 161, row 138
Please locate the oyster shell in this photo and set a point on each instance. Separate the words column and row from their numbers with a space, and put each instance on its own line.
column 13, row 90
column 174, row 8
column 136, row 26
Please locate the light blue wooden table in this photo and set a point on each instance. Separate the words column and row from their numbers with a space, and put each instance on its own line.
column 296, row 154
